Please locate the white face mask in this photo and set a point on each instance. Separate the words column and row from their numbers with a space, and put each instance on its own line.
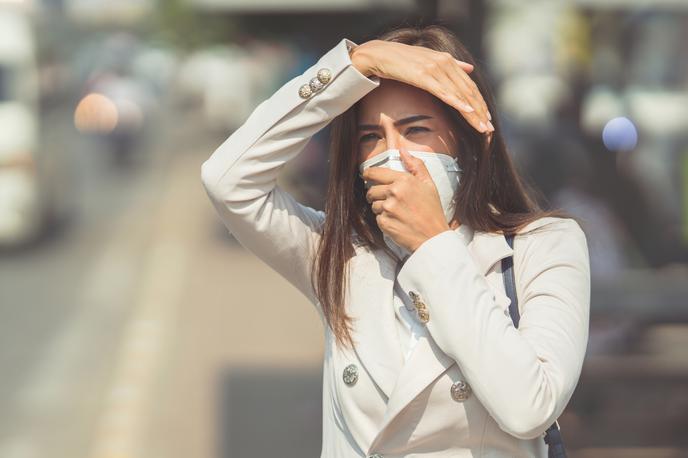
column 444, row 171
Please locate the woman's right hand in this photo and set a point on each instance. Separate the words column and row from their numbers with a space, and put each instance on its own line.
column 436, row 72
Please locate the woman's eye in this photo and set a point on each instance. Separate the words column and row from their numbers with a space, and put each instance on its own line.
column 413, row 129
column 367, row 137
column 417, row 129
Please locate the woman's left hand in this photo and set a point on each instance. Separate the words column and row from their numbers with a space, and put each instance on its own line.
column 406, row 204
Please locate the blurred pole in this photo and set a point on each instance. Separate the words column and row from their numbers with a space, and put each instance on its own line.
column 475, row 26
column 464, row 17
column 428, row 9
column 684, row 184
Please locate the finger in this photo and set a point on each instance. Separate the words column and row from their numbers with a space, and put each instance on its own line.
column 414, row 165
column 476, row 100
column 381, row 175
column 442, row 86
column 470, row 92
column 474, row 91
column 468, row 68
column 377, row 192
column 377, row 207
column 478, row 116
column 478, row 97
column 455, row 100
column 383, row 221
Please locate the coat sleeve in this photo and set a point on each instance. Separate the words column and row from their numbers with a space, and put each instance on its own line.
column 523, row 376
column 240, row 176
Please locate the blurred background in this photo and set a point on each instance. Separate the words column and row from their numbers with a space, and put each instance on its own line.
column 133, row 325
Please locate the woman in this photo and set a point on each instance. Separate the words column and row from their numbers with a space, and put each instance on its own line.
column 421, row 356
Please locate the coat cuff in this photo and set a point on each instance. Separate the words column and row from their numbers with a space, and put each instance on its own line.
column 430, row 260
column 441, row 262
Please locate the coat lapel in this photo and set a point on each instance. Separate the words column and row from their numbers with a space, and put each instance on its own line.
column 374, row 326
column 425, row 364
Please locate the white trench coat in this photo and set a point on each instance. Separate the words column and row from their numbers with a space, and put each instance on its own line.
column 520, row 379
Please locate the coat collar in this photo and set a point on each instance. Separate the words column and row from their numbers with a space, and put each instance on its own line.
column 487, row 248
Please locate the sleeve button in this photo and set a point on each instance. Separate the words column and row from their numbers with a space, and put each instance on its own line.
column 315, row 84
column 324, row 75
column 305, row 91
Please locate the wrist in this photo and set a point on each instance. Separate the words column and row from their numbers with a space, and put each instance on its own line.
column 360, row 60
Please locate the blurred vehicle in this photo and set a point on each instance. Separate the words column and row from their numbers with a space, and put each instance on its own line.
column 28, row 179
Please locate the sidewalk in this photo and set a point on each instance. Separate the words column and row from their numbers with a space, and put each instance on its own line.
column 244, row 350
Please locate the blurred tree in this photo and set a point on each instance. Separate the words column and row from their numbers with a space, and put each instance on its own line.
column 178, row 24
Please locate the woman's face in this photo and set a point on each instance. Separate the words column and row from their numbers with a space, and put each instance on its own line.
column 397, row 114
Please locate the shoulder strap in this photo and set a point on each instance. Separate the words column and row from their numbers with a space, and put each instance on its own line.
column 553, row 434
column 510, row 282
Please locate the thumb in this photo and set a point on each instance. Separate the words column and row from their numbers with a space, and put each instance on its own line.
column 414, row 165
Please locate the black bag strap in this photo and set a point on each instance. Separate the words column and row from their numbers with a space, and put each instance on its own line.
column 553, row 434
column 510, row 282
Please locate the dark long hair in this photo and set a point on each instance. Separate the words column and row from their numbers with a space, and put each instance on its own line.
column 491, row 197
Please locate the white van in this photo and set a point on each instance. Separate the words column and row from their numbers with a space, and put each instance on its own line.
column 22, row 207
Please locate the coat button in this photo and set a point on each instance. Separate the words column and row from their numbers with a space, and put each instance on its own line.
column 315, row 84
column 324, row 75
column 421, row 308
column 305, row 91
column 350, row 374
column 423, row 316
column 460, row 391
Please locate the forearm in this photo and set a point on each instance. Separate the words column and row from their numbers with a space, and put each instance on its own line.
column 524, row 377
column 240, row 176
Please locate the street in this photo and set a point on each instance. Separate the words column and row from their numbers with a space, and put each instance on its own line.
column 132, row 332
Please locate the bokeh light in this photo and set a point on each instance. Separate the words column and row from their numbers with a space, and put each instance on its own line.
column 620, row 135
column 95, row 113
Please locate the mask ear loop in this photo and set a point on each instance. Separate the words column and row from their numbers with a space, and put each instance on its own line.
column 451, row 163
column 453, row 166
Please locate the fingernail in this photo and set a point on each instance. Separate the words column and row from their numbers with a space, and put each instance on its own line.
column 466, row 107
column 483, row 127
column 489, row 124
column 489, row 116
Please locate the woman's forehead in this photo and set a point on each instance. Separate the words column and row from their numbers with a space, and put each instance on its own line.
column 395, row 100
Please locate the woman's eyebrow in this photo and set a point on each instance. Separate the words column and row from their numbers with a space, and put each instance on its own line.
column 400, row 122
